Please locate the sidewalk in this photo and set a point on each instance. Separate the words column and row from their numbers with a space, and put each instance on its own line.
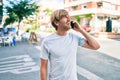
column 109, row 47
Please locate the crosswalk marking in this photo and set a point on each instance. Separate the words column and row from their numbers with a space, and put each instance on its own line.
column 15, row 57
column 24, row 64
column 18, row 64
column 87, row 74
column 14, row 64
column 26, row 69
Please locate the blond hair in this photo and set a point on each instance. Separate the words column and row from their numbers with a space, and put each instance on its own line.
column 57, row 15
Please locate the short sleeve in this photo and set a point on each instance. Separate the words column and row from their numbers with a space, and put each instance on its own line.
column 80, row 39
column 44, row 54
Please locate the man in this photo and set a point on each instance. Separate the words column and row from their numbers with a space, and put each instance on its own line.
column 109, row 25
column 5, row 30
column 60, row 48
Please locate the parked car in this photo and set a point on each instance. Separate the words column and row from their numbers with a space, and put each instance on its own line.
column 12, row 30
column 87, row 28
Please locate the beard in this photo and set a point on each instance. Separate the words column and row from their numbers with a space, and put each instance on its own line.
column 66, row 28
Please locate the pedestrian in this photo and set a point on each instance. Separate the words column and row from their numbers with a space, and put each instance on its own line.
column 13, row 41
column 109, row 25
column 60, row 48
column 1, row 32
column 5, row 30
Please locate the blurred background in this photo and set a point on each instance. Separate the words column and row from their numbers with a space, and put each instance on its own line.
column 92, row 14
column 25, row 23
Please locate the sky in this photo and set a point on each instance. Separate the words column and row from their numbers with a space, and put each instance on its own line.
column 58, row 4
column 54, row 4
column 59, row 1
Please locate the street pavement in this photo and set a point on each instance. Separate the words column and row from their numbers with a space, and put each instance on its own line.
column 22, row 61
column 110, row 47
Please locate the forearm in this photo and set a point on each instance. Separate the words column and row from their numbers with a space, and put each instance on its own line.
column 43, row 69
column 43, row 73
column 93, row 44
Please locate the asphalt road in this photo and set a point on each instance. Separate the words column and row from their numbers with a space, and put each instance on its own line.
column 22, row 63
column 95, row 65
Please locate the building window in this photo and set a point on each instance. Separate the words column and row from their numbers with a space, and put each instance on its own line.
column 108, row 5
column 100, row 17
column 99, row 4
column 74, row 7
column 84, row 6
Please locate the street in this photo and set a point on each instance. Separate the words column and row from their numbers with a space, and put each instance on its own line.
column 97, row 66
column 21, row 62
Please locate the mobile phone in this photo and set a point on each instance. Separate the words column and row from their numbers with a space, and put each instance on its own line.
column 72, row 24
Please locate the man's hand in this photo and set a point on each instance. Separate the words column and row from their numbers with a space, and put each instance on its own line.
column 91, row 43
column 77, row 27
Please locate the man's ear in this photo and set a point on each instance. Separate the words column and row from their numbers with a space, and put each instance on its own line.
column 56, row 23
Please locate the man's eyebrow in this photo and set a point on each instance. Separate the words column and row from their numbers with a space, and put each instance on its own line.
column 64, row 16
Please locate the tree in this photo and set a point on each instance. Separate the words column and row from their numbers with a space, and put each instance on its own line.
column 21, row 9
column 12, row 17
column 78, row 18
column 1, row 10
column 48, row 11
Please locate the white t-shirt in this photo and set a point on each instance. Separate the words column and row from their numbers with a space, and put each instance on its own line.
column 61, row 53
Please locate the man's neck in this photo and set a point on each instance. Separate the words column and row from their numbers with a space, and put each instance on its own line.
column 61, row 33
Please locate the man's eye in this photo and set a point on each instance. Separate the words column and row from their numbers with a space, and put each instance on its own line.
column 64, row 16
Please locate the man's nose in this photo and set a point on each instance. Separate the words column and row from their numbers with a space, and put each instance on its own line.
column 68, row 18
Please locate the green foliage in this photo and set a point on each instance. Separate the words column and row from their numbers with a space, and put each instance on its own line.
column 28, row 30
column 20, row 9
column 88, row 15
column 11, row 19
column 49, row 11
column 1, row 12
column 78, row 18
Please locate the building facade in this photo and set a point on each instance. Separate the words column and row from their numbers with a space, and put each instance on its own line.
column 95, row 13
